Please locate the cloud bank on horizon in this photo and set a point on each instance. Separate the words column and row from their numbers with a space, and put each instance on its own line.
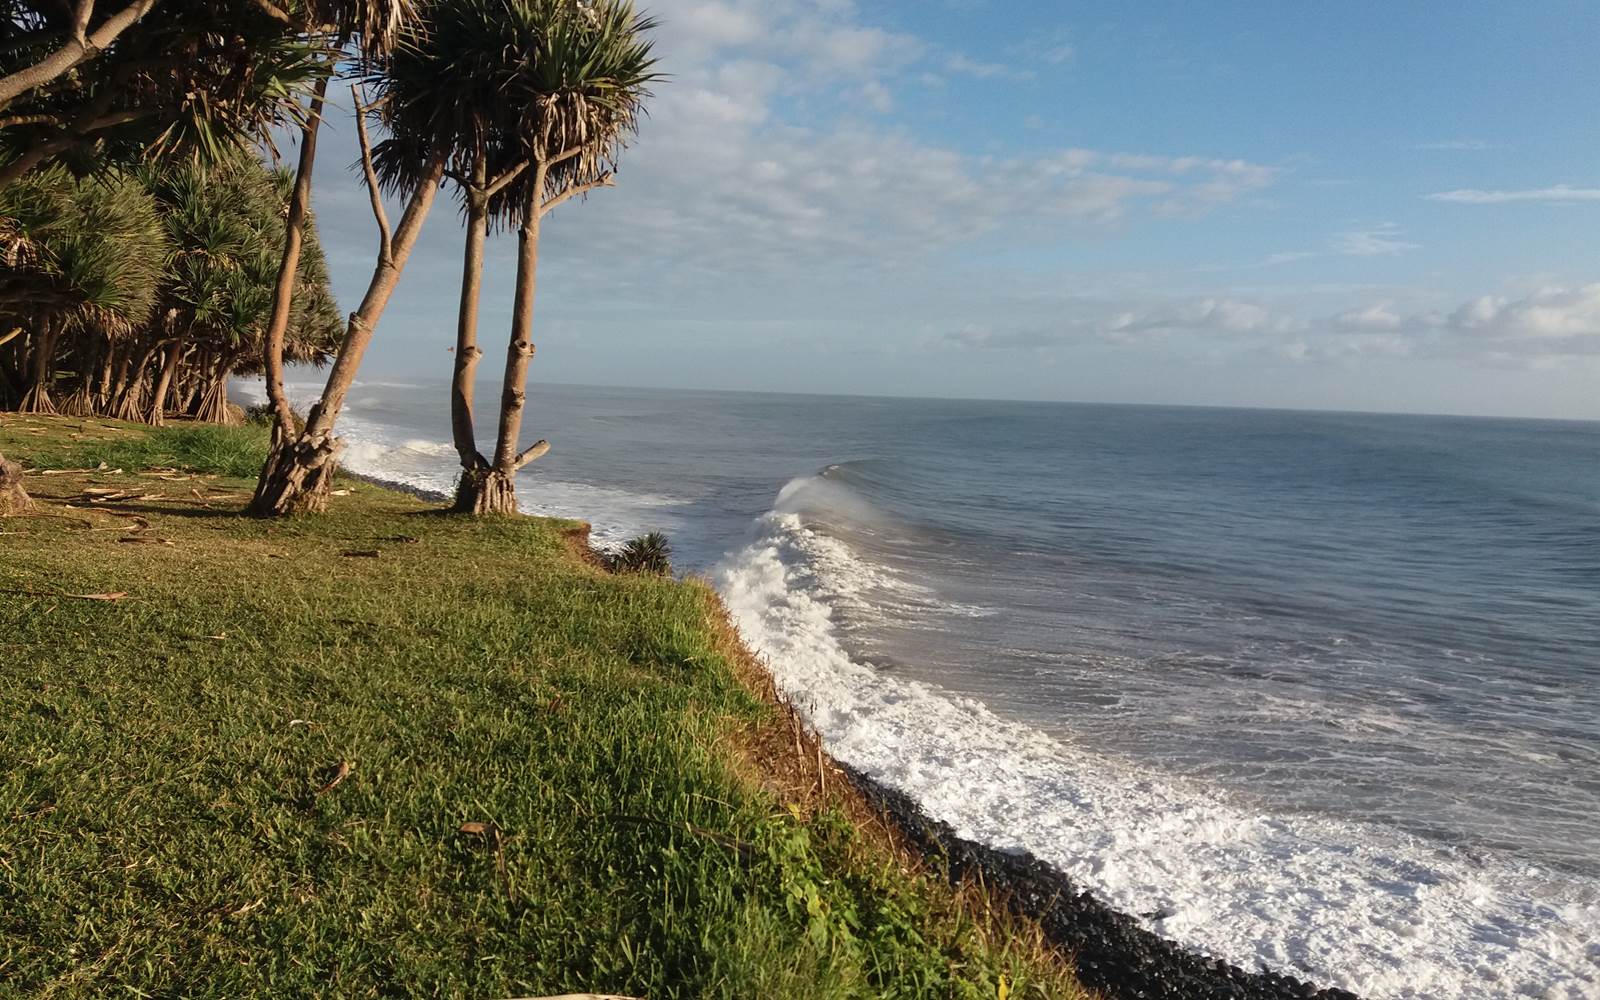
column 1357, row 208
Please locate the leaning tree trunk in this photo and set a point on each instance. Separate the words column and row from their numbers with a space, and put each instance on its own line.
column 283, row 422
column 494, row 490
column 130, row 391
column 13, row 498
column 299, row 469
column 37, row 398
column 463, row 384
column 158, row 398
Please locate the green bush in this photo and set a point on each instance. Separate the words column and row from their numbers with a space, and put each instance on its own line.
column 646, row 554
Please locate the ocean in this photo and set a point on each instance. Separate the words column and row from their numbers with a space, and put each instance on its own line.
column 1315, row 692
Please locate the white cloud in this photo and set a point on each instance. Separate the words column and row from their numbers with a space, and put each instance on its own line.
column 965, row 65
column 1382, row 240
column 1548, row 326
column 1379, row 317
column 756, row 160
column 1455, row 145
column 1559, row 194
column 1561, row 313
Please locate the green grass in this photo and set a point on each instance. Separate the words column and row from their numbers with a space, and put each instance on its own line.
column 163, row 828
column 238, row 452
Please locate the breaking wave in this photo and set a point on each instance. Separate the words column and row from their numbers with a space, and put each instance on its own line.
column 1359, row 906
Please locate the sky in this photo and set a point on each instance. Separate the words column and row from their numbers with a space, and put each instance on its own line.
column 1364, row 205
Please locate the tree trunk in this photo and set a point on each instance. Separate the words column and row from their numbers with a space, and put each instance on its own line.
column 299, row 469
column 283, row 424
column 37, row 398
column 158, row 398
column 213, row 405
column 130, row 394
column 494, row 490
column 467, row 352
column 484, row 490
column 13, row 498
column 119, row 379
column 113, row 357
column 79, row 48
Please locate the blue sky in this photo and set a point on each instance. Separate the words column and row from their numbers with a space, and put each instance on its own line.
column 1354, row 206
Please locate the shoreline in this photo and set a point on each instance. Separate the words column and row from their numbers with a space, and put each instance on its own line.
column 1119, row 937
column 414, row 754
column 1112, row 952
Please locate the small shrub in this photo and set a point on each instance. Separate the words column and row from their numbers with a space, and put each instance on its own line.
column 264, row 414
column 645, row 554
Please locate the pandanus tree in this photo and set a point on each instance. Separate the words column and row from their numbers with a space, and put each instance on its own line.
column 534, row 99
column 372, row 27
column 302, row 459
column 186, row 78
column 83, row 265
column 226, row 224
column 140, row 294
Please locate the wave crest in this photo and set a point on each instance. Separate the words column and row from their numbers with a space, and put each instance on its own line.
column 1358, row 906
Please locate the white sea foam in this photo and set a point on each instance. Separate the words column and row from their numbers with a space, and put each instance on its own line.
column 1358, row 906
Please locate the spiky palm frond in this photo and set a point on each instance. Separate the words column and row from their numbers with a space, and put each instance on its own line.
column 194, row 78
column 515, row 81
column 226, row 225
column 375, row 26
column 89, row 251
column 650, row 554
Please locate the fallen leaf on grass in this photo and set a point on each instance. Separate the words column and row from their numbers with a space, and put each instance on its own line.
column 119, row 595
column 247, row 908
column 475, row 829
column 345, row 767
column 339, row 493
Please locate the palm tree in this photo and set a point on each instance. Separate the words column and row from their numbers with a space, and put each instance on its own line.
column 174, row 266
column 375, row 26
column 225, row 222
column 84, row 261
column 301, row 463
column 192, row 77
column 535, row 99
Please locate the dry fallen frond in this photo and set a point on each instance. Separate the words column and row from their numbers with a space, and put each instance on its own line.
column 343, row 772
column 119, row 595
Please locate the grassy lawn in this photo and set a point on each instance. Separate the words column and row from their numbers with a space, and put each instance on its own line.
column 389, row 753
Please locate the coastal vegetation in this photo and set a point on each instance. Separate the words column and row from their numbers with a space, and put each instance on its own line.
column 533, row 101
column 379, row 751
column 129, row 136
column 421, row 755
column 140, row 292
